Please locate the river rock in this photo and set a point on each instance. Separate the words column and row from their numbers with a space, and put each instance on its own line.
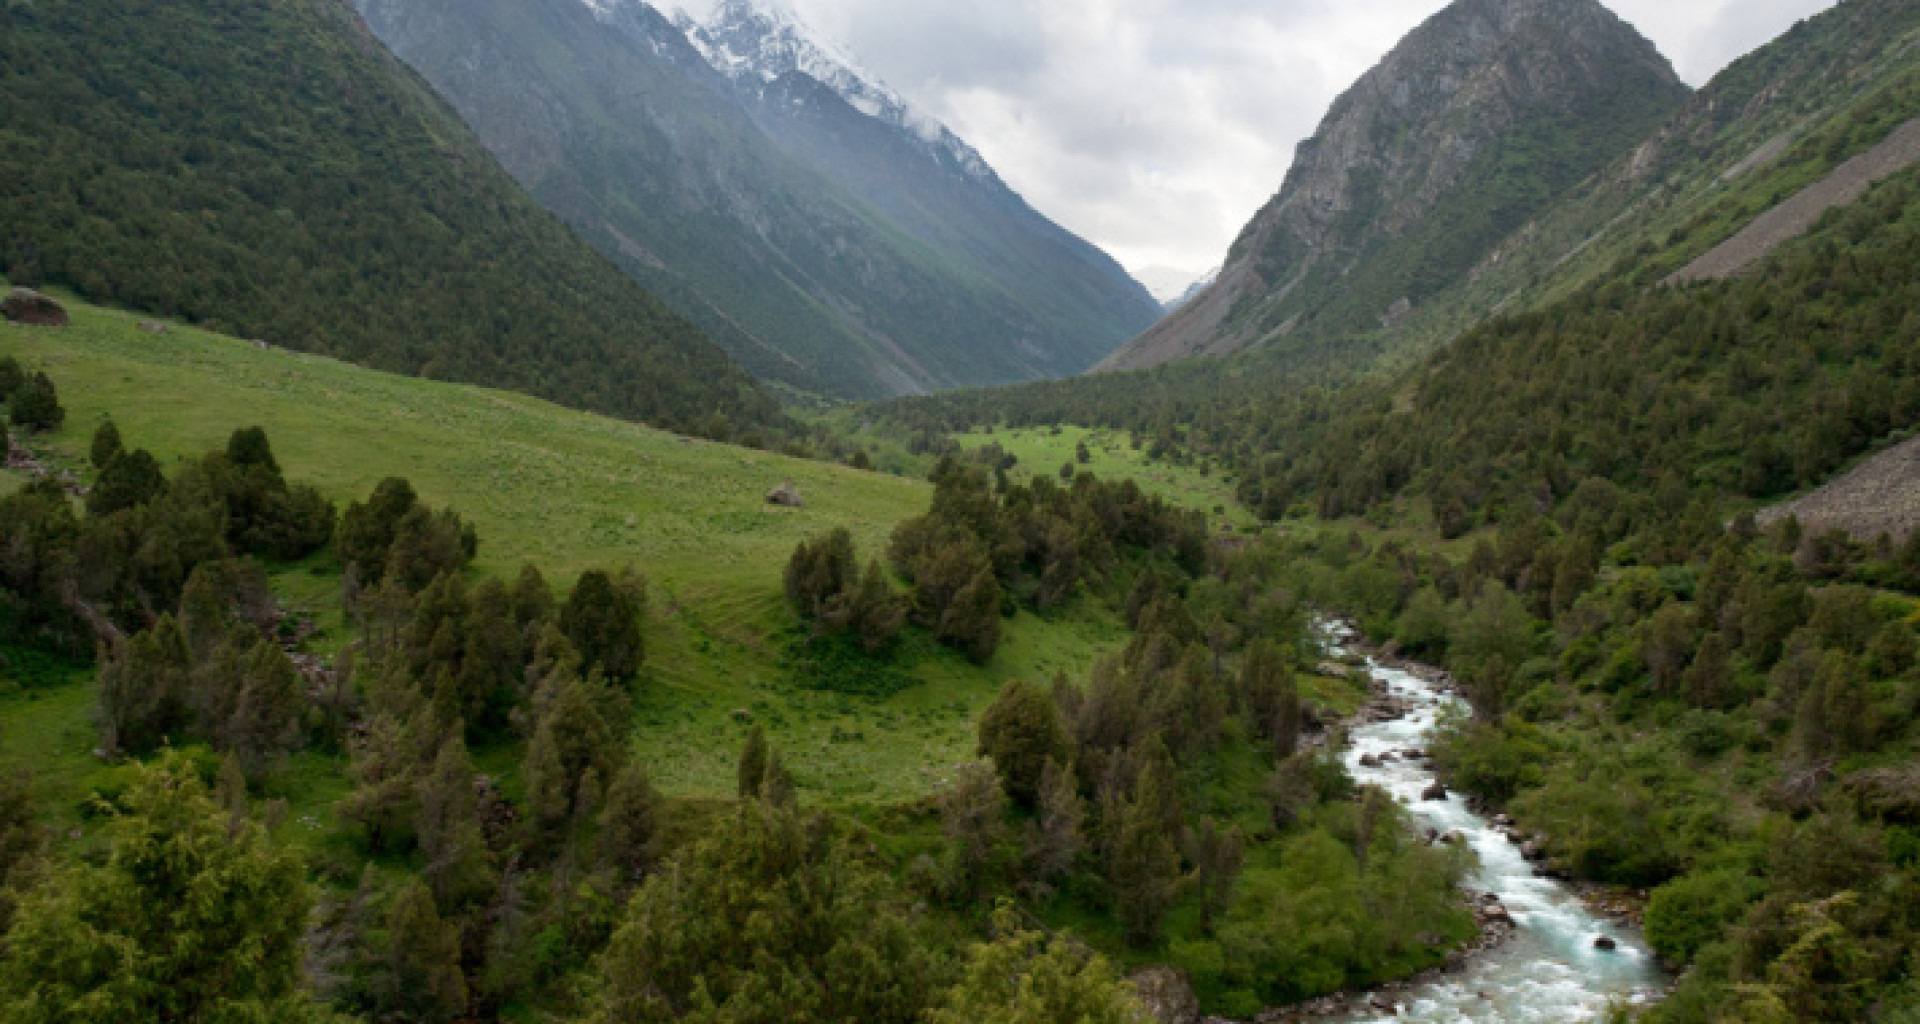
column 1436, row 791
column 1532, row 850
column 1604, row 942
column 1369, row 761
column 26, row 306
column 1166, row 994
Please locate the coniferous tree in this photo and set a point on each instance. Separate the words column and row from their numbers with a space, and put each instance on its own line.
column 821, row 571
column 1218, row 854
column 12, row 377
column 248, row 448
column 753, row 764
column 549, row 797
column 779, row 789
column 145, row 686
column 1020, row 732
column 602, row 619
column 387, row 765
column 580, row 732
column 130, row 479
column 971, row 622
column 264, row 705
column 35, row 405
column 1708, row 680
column 366, row 531
column 1063, row 816
column 459, row 868
column 874, row 612
column 629, row 823
column 1143, row 870
column 532, row 601
column 106, row 444
column 973, row 811
column 425, row 982
column 1271, row 696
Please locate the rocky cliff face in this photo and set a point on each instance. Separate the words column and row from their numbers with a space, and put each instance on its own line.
column 1477, row 120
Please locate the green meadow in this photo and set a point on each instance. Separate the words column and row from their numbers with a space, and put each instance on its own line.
column 1042, row 451
column 566, row 491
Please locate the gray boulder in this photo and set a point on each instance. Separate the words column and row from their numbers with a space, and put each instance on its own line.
column 1166, row 994
column 26, row 306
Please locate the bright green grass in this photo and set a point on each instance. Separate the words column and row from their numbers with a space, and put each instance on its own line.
column 567, row 491
column 1043, row 450
column 48, row 735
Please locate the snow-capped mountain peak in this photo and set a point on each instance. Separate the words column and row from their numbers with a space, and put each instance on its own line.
column 765, row 39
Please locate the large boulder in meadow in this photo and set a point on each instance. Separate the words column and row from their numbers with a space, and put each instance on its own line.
column 1166, row 994
column 785, row 495
column 26, row 306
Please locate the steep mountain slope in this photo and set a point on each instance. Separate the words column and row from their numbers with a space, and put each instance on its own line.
column 1767, row 127
column 1473, row 124
column 927, row 182
column 824, row 246
column 328, row 201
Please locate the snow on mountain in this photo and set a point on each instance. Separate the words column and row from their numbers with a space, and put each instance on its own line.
column 1173, row 288
column 763, row 39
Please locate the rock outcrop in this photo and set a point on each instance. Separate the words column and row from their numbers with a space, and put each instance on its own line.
column 26, row 306
column 1166, row 994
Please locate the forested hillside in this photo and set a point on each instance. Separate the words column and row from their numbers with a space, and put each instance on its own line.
column 326, row 202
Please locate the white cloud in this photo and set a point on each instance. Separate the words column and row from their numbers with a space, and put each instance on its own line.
column 1156, row 128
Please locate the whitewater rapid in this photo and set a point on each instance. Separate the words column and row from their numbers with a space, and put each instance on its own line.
column 1550, row 969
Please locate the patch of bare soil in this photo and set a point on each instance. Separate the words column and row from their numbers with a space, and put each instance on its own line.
column 1792, row 218
column 1881, row 495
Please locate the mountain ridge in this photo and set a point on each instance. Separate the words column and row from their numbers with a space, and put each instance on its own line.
column 1471, row 124
column 331, row 202
column 828, row 250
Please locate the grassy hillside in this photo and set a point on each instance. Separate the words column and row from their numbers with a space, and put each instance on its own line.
column 328, row 202
column 567, row 491
column 1113, row 455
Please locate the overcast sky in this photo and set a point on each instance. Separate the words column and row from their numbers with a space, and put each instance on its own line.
column 1156, row 128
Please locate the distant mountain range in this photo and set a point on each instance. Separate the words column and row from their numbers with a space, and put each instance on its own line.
column 829, row 236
